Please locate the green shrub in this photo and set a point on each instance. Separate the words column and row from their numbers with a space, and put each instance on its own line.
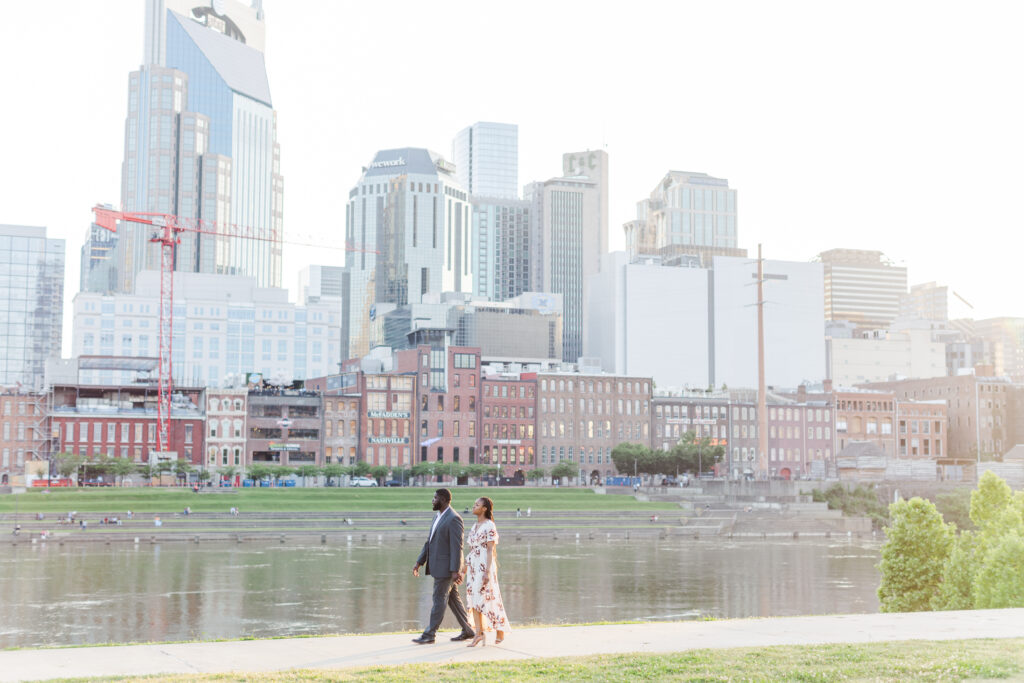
column 913, row 557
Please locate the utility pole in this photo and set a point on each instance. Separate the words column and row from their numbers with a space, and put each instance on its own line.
column 762, row 398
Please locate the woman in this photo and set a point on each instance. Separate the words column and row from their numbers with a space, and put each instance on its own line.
column 481, row 573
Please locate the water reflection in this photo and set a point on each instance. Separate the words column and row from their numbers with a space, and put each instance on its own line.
column 55, row 595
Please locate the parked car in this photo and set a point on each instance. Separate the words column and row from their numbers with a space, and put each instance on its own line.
column 362, row 481
column 396, row 482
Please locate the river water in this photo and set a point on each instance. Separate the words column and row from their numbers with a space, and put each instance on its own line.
column 92, row 593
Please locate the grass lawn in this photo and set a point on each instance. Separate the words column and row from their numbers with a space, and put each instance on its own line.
column 908, row 660
column 168, row 500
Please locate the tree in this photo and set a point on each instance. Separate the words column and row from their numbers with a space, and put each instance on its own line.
column 693, row 454
column 228, row 472
column 957, row 576
column 147, row 471
column 630, row 458
column 989, row 500
column 361, row 469
column 333, row 471
column 422, row 470
column 564, row 469
column 164, row 467
column 379, row 472
column 913, row 557
column 306, row 471
column 259, row 471
column 536, row 474
column 183, row 468
column 122, row 467
column 999, row 581
column 68, row 464
column 204, row 475
column 278, row 472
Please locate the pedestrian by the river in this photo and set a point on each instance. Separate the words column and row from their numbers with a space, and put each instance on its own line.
column 528, row 512
column 442, row 555
column 482, row 593
column 519, row 513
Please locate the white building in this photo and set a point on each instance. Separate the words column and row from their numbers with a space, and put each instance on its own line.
column 408, row 220
column 225, row 427
column 696, row 327
column 224, row 327
column 884, row 355
column 863, row 287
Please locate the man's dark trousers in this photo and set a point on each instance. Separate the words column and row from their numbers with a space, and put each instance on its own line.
column 447, row 593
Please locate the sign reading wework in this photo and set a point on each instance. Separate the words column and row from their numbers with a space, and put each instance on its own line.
column 387, row 163
column 274, row 446
column 388, row 414
column 388, row 439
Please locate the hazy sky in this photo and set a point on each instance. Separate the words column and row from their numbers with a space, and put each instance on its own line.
column 894, row 126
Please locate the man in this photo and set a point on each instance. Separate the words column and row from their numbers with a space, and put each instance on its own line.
column 442, row 554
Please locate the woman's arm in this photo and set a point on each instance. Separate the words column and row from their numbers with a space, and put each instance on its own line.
column 490, row 559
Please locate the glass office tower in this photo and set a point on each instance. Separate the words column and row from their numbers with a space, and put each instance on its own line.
column 201, row 142
column 31, row 303
column 486, row 157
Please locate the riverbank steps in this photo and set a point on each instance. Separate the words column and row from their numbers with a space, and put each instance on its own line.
column 976, row 644
column 331, row 527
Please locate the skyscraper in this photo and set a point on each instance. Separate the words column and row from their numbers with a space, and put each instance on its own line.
column 686, row 213
column 99, row 261
column 31, row 303
column 566, row 243
column 486, row 157
column 862, row 287
column 408, row 220
column 200, row 141
column 501, row 233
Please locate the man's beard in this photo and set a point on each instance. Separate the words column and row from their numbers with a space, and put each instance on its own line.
column 439, row 505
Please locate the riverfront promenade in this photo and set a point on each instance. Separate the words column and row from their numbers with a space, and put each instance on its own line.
column 336, row 652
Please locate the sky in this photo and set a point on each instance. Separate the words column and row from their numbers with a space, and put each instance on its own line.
column 891, row 126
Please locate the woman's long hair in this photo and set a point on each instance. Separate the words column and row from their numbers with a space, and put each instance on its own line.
column 488, row 507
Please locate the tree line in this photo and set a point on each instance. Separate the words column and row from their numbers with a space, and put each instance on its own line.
column 691, row 454
column 929, row 564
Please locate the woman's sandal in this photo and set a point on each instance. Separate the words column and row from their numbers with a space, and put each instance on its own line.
column 478, row 639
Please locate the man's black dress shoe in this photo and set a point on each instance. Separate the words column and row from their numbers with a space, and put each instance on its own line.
column 463, row 636
column 423, row 640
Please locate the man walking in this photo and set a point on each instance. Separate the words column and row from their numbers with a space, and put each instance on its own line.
column 442, row 554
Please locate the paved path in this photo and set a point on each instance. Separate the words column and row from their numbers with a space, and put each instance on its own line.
column 373, row 650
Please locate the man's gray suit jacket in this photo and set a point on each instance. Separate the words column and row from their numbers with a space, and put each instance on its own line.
column 442, row 553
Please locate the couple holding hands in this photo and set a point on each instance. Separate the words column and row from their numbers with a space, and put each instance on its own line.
column 442, row 555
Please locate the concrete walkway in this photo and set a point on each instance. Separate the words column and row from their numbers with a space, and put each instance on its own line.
column 374, row 650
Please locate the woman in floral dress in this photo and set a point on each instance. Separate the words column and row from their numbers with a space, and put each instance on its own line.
column 481, row 572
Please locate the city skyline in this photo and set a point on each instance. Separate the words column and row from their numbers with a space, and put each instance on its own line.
column 896, row 145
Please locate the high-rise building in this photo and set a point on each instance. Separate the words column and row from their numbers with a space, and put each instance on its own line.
column 926, row 301
column 863, row 287
column 686, row 213
column 1006, row 337
column 567, row 239
column 486, row 157
column 99, row 261
column 691, row 326
column 408, row 220
column 592, row 164
column 31, row 303
column 200, row 142
column 224, row 327
column 501, row 260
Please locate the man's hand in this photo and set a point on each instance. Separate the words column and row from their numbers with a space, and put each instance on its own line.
column 415, row 570
column 458, row 578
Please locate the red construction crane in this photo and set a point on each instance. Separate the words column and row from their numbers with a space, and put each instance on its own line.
column 169, row 227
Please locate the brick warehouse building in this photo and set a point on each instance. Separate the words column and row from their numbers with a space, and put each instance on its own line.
column 447, row 386
column 24, row 431
column 583, row 416
column 284, row 427
column 508, row 417
column 121, row 421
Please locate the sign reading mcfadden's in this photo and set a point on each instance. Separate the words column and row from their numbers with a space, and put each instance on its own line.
column 400, row 161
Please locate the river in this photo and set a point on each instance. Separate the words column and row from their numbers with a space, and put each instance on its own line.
column 93, row 593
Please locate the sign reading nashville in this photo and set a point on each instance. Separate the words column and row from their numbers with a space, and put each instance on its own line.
column 387, row 414
column 388, row 439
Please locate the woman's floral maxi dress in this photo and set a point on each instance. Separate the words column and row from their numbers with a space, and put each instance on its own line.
column 484, row 599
